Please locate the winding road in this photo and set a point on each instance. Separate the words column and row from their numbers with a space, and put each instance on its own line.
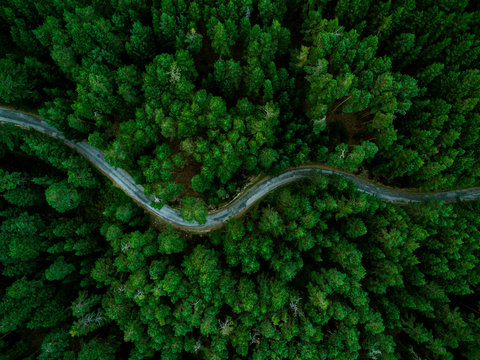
column 216, row 219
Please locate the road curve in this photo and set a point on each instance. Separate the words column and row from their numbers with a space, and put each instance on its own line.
column 215, row 219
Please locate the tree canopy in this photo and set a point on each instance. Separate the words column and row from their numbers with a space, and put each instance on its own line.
column 195, row 99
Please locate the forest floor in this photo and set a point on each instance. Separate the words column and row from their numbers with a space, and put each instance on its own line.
column 348, row 127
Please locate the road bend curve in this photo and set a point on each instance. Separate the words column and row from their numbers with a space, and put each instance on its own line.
column 216, row 219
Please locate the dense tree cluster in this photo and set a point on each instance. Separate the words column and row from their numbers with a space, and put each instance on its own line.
column 438, row 44
column 219, row 91
column 194, row 98
column 317, row 270
column 49, row 240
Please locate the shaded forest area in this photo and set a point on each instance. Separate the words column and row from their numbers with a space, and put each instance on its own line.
column 315, row 271
column 193, row 98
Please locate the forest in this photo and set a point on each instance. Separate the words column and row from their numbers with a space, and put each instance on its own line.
column 195, row 99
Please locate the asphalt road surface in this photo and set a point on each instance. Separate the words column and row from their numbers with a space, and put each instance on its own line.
column 215, row 219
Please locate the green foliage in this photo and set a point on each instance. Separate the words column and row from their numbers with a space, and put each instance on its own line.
column 355, row 227
column 59, row 269
column 54, row 345
column 222, row 39
column 170, row 242
column 195, row 98
column 194, row 209
column 62, row 197
column 15, row 83
column 141, row 43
